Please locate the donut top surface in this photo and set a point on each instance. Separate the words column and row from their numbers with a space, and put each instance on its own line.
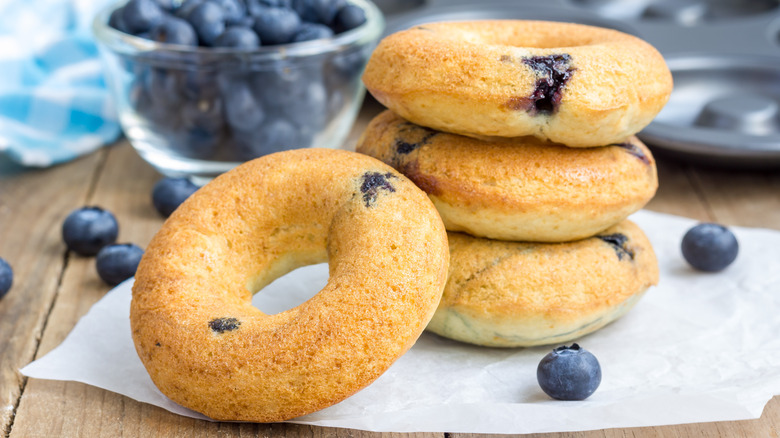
column 204, row 344
column 520, row 294
column 568, row 83
column 546, row 278
column 580, row 191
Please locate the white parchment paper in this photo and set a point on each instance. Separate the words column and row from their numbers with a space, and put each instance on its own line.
column 698, row 347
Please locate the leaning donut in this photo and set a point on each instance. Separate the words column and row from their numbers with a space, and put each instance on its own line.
column 511, row 294
column 567, row 83
column 206, row 347
column 519, row 189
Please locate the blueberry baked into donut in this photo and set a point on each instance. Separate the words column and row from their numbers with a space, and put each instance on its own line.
column 520, row 189
column 207, row 348
column 578, row 85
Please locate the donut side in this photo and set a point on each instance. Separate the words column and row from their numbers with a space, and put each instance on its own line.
column 519, row 189
column 511, row 294
column 572, row 84
column 207, row 348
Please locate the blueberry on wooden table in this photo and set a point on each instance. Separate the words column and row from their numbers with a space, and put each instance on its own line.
column 569, row 373
column 709, row 247
column 168, row 193
column 118, row 262
column 6, row 277
column 88, row 229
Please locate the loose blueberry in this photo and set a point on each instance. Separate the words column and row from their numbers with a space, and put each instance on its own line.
column 238, row 37
column 203, row 127
column 88, row 229
column 242, row 110
column 168, row 193
column 709, row 247
column 117, row 20
column 277, row 25
column 255, row 7
column 199, row 86
column 245, row 21
column 345, row 66
column 205, row 114
column 198, row 142
column 349, row 17
column 118, row 262
column 311, row 31
column 163, row 87
column 273, row 136
column 183, row 11
column 318, row 11
column 307, row 106
column 6, row 277
column 155, row 110
column 172, row 30
column 234, row 10
column 208, row 19
column 569, row 373
column 141, row 15
column 276, row 86
column 167, row 5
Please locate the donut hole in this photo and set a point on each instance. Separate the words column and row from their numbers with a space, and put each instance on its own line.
column 292, row 289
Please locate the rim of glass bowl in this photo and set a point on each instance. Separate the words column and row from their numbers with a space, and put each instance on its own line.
column 173, row 55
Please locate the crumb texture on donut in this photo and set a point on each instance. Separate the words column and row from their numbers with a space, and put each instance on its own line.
column 519, row 189
column 567, row 83
column 207, row 348
column 510, row 294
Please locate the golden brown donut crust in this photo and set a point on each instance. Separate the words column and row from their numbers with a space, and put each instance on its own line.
column 510, row 294
column 474, row 78
column 207, row 348
column 519, row 189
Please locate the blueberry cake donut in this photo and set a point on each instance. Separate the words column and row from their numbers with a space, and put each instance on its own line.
column 511, row 294
column 567, row 83
column 521, row 188
column 207, row 348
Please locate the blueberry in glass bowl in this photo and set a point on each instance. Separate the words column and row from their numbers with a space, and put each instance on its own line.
column 203, row 85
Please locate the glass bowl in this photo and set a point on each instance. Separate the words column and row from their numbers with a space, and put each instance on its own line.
column 197, row 112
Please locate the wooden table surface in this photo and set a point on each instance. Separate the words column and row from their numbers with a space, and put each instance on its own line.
column 53, row 289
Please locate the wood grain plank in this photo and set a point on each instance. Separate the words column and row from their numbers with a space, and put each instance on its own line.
column 676, row 192
column 124, row 187
column 746, row 198
column 766, row 426
column 33, row 204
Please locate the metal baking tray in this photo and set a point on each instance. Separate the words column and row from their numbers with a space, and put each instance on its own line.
column 724, row 56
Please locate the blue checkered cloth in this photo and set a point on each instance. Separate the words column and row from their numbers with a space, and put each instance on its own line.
column 54, row 104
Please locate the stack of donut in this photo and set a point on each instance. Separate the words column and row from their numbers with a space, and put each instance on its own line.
column 522, row 135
